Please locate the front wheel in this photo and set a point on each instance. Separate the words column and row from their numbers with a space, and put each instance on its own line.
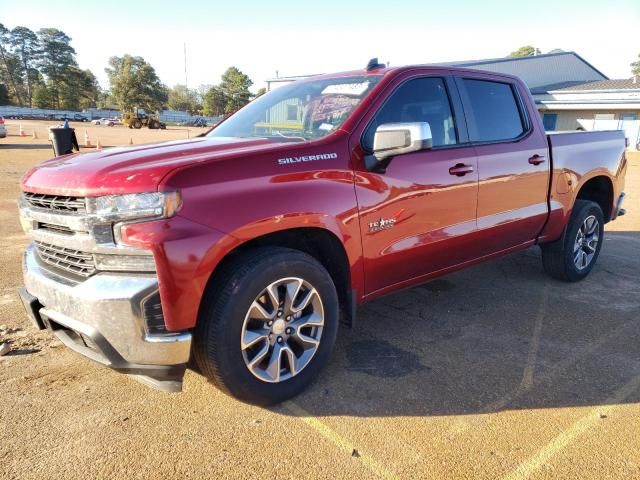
column 267, row 325
column 572, row 257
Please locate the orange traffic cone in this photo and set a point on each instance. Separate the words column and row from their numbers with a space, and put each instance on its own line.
column 87, row 142
column 98, row 145
column 22, row 132
column 35, row 135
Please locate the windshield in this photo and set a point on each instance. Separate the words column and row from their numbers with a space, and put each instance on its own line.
column 304, row 110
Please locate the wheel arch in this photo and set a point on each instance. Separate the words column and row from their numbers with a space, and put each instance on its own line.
column 320, row 243
column 598, row 189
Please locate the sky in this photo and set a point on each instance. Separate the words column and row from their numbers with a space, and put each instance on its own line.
column 306, row 37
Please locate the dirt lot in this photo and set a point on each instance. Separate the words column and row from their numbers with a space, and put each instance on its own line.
column 492, row 372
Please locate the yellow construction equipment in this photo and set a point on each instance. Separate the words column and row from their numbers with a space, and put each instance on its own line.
column 139, row 118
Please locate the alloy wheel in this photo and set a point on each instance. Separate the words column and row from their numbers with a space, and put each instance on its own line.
column 282, row 330
column 586, row 243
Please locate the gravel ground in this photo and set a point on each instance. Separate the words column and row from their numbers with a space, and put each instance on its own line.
column 493, row 372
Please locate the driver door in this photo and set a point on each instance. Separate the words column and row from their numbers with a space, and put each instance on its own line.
column 419, row 216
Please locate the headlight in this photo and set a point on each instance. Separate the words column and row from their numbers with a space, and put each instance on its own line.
column 135, row 205
column 125, row 263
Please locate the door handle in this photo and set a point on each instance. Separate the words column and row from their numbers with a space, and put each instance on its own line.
column 537, row 159
column 460, row 170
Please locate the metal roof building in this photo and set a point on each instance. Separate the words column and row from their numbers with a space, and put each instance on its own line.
column 541, row 72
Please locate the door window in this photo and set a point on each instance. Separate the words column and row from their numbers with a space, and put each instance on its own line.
column 495, row 111
column 418, row 100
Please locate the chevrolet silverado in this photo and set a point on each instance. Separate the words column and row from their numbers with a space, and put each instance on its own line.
column 238, row 253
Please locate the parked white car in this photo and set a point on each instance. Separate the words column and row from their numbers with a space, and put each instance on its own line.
column 107, row 121
column 3, row 129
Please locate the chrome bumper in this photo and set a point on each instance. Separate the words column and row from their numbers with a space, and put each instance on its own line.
column 619, row 210
column 102, row 319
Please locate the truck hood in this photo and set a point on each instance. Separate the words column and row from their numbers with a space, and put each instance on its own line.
column 134, row 169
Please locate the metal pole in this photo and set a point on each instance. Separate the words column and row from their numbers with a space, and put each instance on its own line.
column 185, row 64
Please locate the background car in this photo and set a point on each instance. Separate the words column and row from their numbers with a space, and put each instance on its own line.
column 3, row 129
column 107, row 121
column 198, row 122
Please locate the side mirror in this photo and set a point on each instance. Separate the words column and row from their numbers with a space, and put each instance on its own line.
column 393, row 139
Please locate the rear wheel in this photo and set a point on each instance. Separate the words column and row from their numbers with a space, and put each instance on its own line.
column 267, row 325
column 572, row 257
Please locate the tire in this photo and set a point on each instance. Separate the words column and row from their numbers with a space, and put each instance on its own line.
column 137, row 124
column 227, row 312
column 564, row 259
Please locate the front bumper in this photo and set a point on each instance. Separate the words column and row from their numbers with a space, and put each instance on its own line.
column 102, row 319
column 619, row 211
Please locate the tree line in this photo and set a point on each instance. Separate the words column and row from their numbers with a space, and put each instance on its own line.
column 135, row 84
column 39, row 69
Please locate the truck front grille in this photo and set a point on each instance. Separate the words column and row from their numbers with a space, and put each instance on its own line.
column 56, row 203
column 67, row 259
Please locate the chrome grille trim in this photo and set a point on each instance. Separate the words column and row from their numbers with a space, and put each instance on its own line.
column 67, row 259
column 56, row 203
column 56, row 228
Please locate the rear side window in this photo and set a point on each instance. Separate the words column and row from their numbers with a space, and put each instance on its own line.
column 418, row 100
column 495, row 111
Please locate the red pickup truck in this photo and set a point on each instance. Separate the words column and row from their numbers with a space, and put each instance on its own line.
column 238, row 253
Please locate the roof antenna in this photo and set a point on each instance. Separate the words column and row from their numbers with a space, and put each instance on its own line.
column 373, row 64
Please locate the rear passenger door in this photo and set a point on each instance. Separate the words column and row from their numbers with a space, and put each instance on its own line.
column 513, row 168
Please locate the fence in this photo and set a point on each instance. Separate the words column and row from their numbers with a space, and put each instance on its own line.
column 40, row 113
column 167, row 116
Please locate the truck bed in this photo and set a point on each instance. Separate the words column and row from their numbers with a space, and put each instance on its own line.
column 577, row 157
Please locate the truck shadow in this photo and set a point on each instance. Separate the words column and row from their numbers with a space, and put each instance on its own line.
column 499, row 336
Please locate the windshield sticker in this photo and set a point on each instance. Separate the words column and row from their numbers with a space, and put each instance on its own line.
column 326, row 126
column 331, row 110
column 307, row 158
column 356, row 89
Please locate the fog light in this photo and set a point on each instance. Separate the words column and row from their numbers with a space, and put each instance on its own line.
column 153, row 316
